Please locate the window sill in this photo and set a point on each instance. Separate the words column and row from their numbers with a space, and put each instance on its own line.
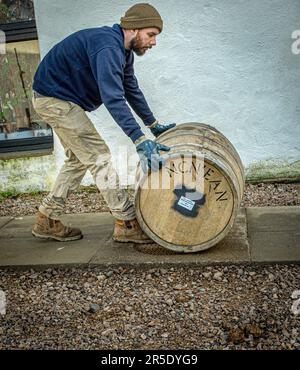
column 26, row 154
column 26, row 147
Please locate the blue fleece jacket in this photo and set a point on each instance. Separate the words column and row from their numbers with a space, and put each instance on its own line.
column 91, row 67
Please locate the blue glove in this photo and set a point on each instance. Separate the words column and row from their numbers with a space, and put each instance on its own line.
column 150, row 158
column 157, row 129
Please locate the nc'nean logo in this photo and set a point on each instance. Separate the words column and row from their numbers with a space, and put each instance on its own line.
column 188, row 201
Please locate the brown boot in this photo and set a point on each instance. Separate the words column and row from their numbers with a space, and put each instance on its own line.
column 130, row 232
column 47, row 228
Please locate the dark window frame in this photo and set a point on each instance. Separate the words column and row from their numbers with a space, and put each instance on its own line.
column 42, row 145
column 19, row 31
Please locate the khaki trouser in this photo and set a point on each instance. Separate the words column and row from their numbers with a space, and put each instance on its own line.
column 85, row 150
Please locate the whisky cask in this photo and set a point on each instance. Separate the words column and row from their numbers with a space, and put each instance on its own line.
column 191, row 203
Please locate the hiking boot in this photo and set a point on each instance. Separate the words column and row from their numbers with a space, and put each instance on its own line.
column 130, row 232
column 47, row 228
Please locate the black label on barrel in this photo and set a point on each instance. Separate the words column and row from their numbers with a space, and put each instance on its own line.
column 188, row 201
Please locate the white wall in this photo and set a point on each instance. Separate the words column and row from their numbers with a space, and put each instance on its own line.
column 226, row 63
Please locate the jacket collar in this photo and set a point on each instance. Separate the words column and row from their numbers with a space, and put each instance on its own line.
column 119, row 30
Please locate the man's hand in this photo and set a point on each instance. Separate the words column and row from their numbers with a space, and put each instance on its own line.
column 157, row 129
column 148, row 152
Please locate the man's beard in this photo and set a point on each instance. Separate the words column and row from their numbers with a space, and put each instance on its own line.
column 137, row 46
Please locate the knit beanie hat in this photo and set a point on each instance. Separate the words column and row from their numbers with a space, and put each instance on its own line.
column 141, row 16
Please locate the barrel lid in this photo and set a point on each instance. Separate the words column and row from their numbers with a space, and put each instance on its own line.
column 188, row 205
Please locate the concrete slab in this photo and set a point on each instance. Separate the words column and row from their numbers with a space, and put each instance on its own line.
column 19, row 248
column 274, row 234
column 232, row 249
column 4, row 221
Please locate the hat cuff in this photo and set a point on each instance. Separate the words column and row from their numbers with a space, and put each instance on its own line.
column 141, row 23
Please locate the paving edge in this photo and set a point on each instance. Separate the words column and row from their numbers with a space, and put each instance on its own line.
column 143, row 265
column 7, row 222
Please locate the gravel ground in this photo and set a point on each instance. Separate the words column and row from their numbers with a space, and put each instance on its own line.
column 229, row 307
column 89, row 200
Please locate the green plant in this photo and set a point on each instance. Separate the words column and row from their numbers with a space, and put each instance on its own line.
column 15, row 193
column 5, row 13
column 7, row 194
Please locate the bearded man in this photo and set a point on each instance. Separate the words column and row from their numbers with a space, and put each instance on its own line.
column 89, row 68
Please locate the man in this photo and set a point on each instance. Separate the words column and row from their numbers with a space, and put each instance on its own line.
column 89, row 68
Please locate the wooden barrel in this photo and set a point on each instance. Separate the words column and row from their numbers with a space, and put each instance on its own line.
column 191, row 203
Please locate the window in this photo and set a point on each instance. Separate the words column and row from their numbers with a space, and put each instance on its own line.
column 22, row 132
column 16, row 10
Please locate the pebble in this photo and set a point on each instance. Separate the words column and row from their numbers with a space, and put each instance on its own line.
column 182, row 298
column 106, row 324
column 169, row 302
column 178, row 287
column 218, row 276
column 94, row 308
column 271, row 277
column 101, row 277
column 107, row 332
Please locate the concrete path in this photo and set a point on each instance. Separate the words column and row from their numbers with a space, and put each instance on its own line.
column 260, row 235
